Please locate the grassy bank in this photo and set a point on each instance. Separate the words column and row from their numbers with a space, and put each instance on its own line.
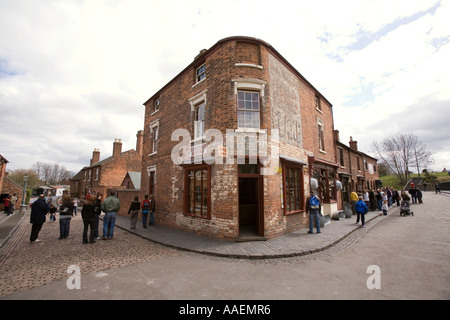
column 391, row 180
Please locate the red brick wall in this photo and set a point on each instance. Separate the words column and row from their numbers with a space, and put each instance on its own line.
column 287, row 103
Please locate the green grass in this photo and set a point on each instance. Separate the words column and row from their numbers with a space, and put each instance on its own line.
column 391, row 180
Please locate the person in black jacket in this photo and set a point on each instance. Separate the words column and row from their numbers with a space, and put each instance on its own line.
column 88, row 216
column 98, row 212
column 65, row 216
column 39, row 210
column 134, row 211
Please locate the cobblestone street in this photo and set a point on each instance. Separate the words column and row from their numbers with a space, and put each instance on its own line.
column 24, row 265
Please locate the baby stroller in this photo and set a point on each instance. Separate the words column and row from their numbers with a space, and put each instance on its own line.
column 404, row 209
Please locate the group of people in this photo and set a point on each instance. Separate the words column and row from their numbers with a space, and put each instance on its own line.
column 148, row 208
column 380, row 199
column 9, row 202
column 90, row 212
column 66, row 208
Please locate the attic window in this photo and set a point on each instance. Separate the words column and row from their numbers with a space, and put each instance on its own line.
column 200, row 73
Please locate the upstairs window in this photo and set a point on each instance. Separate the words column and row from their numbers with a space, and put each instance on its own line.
column 321, row 136
column 199, row 122
column 154, row 134
column 156, row 105
column 248, row 109
column 201, row 73
column 317, row 103
column 341, row 157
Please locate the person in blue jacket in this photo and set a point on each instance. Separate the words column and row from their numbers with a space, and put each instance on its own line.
column 361, row 210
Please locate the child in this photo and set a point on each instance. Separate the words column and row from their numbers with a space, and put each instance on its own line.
column 385, row 207
column 52, row 213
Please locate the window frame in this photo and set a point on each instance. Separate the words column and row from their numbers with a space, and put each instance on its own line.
column 199, row 77
column 156, row 105
column 321, row 135
column 187, row 194
column 198, row 135
column 154, row 132
column 251, row 110
column 317, row 103
column 286, row 168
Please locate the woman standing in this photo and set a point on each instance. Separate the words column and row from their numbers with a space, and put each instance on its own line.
column 134, row 211
column 65, row 216
column 97, row 211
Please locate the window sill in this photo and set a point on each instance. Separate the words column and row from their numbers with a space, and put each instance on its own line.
column 293, row 212
column 250, row 65
column 152, row 154
column 250, row 130
column 198, row 82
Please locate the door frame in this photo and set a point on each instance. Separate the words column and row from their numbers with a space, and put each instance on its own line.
column 260, row 215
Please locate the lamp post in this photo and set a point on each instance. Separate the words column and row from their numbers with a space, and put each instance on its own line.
column 23, row 206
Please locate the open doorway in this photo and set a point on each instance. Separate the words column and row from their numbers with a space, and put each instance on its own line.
column 250, row 203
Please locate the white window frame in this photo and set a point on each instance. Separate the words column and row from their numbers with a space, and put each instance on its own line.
column 199, row 77
column 156, row 105
column 154, row 132
column 249, row 84
column 321, row 128
column 195, row 101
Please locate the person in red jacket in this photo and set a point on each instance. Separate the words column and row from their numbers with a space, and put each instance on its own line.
column 145, row 209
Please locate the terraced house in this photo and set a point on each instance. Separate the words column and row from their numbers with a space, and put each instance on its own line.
column 241, row 94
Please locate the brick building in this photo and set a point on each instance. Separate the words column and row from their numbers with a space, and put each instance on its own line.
column 8, row 186
column 244, row 91
column 102, row 175
column 241, row 89
column 357, row 170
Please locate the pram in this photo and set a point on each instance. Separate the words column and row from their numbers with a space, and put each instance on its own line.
column 404, row 209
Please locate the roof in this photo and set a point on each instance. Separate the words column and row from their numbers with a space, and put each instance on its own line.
column 339, row 143
column 135, row 179
column 219, row 43
column 79, row 175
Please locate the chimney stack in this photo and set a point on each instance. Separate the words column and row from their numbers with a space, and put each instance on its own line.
column 353, row 144
column 336, row 135
column 95, row 156
column 117, row 148
column 139, row 141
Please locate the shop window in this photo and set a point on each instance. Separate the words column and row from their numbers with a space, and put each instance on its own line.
column 197, row 191
column 293, row 188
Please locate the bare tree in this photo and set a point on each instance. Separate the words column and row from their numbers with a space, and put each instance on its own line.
column 400, row 151
column 51, row 173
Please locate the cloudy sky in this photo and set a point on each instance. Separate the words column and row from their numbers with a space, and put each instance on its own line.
column 74, row 74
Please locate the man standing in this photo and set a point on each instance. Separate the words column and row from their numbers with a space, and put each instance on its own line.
column 313, row 208
column 39, row 210
column 110, row 207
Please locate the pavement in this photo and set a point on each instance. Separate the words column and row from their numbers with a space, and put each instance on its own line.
column 297, row 243
column 9, row 224
column 290, row 245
